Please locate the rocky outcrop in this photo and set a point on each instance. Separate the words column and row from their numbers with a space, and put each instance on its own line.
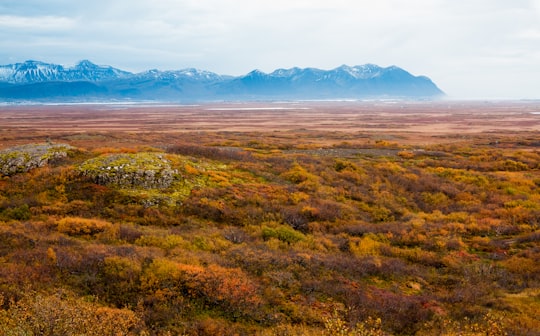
column 23, row 158
column 140, row 170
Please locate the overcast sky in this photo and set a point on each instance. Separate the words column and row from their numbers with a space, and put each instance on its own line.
column 469, row 48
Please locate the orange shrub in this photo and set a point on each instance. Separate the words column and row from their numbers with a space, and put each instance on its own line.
column 78, row 226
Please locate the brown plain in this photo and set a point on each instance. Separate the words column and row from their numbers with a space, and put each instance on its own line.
column 319, row 123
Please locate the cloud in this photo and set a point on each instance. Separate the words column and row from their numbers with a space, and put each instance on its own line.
column 36, row 24
column 447, row 40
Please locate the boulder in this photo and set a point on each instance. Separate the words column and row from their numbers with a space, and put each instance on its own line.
column 139, row 170
column 21, row 159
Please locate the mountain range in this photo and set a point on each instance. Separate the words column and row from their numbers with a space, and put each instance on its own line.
column 86, row 81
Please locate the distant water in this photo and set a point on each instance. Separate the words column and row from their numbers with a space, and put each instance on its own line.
column 99, row 103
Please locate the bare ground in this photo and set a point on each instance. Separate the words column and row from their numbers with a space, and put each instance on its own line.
column 322, row 122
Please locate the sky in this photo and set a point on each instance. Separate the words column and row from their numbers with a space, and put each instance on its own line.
column 472, row 49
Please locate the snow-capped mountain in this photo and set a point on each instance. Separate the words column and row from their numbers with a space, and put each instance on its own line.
column 86, row 70
column 342, row 82
column 86, row 80
column 36, row 71
column 184, row 74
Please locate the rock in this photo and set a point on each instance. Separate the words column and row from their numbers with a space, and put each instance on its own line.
column 140, row 170
column 21, row 159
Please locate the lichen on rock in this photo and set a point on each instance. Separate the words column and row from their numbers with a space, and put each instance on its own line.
column 21, row 159
column 139, row 170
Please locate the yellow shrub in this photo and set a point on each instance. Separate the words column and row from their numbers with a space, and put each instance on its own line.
column 297, row 197
column 190, row 169
column 78, row 226
column 406, row 154
column 364, row 246
column 167, row 242
column 38, row 314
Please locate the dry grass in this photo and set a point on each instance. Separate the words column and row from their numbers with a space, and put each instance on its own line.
column 354, row 122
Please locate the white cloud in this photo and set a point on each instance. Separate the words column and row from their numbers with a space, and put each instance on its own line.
column 36, row 24
column 529, row 34
column 462, row 46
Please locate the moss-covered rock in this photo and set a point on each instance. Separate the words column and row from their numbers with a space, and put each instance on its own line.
column 139, row 170
column 23, row 158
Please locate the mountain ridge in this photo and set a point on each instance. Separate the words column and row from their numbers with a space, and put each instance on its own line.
column 38, row 80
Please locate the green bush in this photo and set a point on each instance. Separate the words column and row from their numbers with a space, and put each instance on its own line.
column 283, row 233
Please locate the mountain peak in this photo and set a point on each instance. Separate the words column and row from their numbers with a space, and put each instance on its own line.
column 351, row 82
column 86, row 64
column 286, row 72
column 33, row 62
column 365, row 71
column 38, row 72
column 255, row 72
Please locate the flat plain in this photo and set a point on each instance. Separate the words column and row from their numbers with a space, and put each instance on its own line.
column 414, row 122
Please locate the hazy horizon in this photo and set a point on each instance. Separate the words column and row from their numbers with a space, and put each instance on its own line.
column 484, row 49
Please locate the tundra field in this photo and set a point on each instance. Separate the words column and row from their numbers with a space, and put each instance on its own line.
column 270, row 218
column 409, row 119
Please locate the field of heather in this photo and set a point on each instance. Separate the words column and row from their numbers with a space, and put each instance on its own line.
column 305, row 218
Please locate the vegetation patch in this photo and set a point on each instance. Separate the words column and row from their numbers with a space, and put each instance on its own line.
column 76, row 226
column 196, row 241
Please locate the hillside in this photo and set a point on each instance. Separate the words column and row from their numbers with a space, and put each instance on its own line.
column 34, row 80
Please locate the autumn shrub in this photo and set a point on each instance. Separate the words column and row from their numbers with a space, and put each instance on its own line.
column 121, row 280
column 283, row 233
column 167, row 242
column 295, row 218
column 210, row 152
column 401, row 314
column 512, row 165
column 529, row 238
column 289, row 329
column 235, row 235
column 300, row 176
column 366, row 245
column 129, row 233
column 209, row 204
column 489, row 324
column 21, row 212
column 13, row 238
column 405, row 154
column 326, row 210
column 527, row 267
column 336, row 326
column 51, row 315
column 226, row 288
column 78, row 226
column 114, row 150
column 208, row 326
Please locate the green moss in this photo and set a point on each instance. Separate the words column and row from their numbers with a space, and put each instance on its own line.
column 125, row 163
column 158, row 179
column 139, row 170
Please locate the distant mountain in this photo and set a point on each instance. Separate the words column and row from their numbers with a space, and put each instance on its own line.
column 34, row 80
column 363, row 81
column 35, row 71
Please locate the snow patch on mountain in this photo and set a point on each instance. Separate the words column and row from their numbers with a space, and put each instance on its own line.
column 35, row 72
